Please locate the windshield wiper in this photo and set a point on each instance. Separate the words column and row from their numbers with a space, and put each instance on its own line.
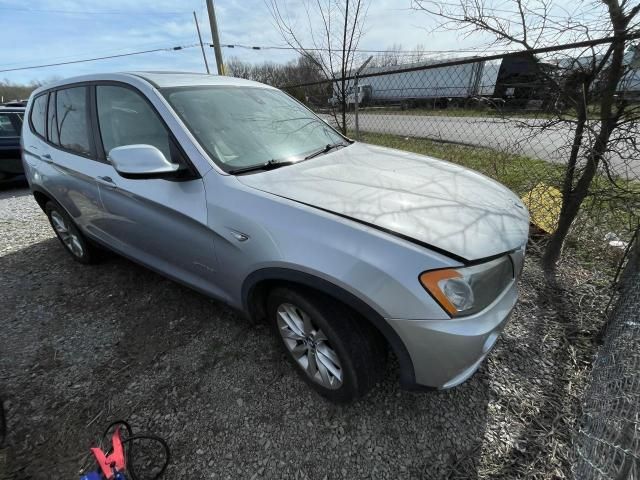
column 326, row 149
column 273, row 164
column 270, row 165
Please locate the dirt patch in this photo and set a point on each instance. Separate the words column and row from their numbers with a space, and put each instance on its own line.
column 82, row 346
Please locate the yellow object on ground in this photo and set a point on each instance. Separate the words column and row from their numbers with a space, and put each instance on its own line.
column 544, row 203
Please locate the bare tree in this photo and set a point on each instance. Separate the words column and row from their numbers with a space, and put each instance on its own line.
column 391, row 57
column 303, row 70
column 15, row 91
column 329, row 36
column 237, row 68
column 395, row 56
column 602, row 122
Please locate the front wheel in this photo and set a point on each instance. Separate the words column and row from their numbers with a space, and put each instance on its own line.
column 336, row 352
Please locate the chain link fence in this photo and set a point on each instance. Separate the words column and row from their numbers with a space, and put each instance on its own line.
column 607, row 439
column 513, row 117
column 525, row 119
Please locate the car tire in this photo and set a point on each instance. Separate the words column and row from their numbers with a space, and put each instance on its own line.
column 337, row 353
column 70, row 236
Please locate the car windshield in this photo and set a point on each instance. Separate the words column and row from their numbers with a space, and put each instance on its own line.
column 246, row 126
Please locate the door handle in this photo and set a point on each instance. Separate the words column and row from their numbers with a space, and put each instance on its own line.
column 106, row 181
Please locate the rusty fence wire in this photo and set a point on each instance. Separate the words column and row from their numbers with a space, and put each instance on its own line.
column 512, row 117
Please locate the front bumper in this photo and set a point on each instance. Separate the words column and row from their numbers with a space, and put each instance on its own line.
column 447, row 352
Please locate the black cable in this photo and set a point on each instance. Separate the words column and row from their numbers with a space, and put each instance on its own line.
column 155, row 438
column 126, row 425
column 128, row 452
column 105, row 57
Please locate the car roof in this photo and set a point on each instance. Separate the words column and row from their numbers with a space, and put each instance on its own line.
column 183, row 79
column 158, row 79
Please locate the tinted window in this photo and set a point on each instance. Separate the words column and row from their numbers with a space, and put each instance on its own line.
column 52, row 126
column 126, row 118
column 38, row 113
column 9, row 125
column 73, row 128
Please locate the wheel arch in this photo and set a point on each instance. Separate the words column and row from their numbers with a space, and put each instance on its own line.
column 41, row 198
column 257, row 285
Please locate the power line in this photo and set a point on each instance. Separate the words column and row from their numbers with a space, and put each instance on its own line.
column 141, row 52
column 94, row 12
column 277, row 47
column 249, row 47
column 101, row 52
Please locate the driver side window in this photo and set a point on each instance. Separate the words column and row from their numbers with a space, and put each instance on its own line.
column 126, row 118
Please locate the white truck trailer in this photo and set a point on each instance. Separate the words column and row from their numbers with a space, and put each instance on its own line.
column 425, row 83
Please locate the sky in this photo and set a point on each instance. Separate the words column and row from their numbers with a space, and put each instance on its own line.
column 47, row 31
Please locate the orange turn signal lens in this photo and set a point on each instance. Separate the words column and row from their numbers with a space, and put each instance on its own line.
column 429, row 281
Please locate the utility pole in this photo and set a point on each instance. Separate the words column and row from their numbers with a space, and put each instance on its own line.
column 206, row 64
column 214, row 36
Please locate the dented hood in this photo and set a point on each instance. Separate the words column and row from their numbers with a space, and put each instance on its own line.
column 438, row 203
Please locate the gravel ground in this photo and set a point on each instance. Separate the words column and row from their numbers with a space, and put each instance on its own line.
column 84, row 345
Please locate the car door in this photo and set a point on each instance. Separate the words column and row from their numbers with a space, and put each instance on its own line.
column 71, row 155
column 161, row 222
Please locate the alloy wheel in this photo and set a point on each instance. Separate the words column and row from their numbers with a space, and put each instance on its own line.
column 67, row 234
column 309, row 346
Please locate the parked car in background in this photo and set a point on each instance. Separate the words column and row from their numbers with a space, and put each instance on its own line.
column 10, row 128
column 239, row 191
column 15, row 103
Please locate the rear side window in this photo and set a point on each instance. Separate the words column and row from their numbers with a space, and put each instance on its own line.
column 38, row 115
column 73, row 119
column 52, row 125
column 126, row 118
column 9, row 125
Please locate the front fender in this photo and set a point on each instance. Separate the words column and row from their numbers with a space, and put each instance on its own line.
column 253, row 302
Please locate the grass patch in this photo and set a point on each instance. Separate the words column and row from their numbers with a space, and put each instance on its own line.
column 520, row 173
column 459, row 112
column 593, row 112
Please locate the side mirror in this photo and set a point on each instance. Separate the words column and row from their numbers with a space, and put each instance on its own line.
column 141, row 161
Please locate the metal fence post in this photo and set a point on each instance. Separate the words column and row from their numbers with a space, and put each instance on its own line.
column 356, row 101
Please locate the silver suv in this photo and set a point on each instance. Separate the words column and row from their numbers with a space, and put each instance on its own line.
column 237, row 190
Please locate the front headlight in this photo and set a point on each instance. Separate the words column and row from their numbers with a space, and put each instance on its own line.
column 467, row 290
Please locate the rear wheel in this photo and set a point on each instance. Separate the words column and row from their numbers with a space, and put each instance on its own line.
column 335, row 351
column 69, row 235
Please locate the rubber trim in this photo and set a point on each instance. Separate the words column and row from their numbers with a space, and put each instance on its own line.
column 407, row 372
